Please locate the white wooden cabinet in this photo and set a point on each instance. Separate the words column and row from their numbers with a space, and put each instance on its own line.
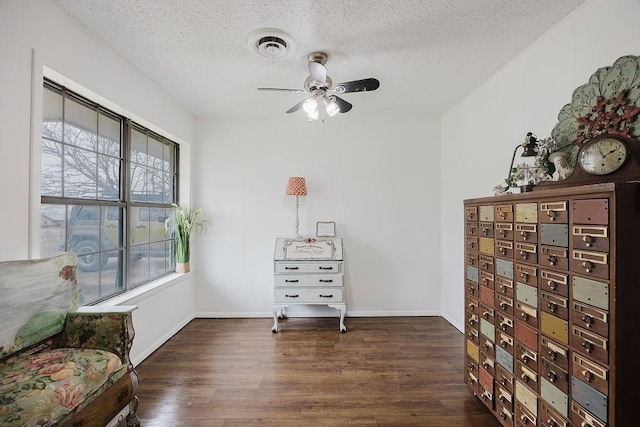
column 308, row 271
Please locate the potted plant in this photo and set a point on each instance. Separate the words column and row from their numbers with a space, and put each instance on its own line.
column 184, row 222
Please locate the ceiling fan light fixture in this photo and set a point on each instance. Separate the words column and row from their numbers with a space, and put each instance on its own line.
column 313, row 115
column 310, row 106
column 331, row 107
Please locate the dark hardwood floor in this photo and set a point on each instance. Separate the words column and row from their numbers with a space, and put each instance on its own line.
column 387, row 371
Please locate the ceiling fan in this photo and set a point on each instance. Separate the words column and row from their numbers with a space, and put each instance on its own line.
column 324, row 99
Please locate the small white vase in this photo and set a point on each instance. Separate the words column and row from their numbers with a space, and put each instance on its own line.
column 183, row 267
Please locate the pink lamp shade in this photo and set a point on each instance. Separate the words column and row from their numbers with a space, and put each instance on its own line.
column 296, row 186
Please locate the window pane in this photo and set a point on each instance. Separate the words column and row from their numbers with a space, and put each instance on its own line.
column 51, row 168
column 109, row 136
column 139, row 225
column 80, row 125
column 156, row 225
column 79, row 173
column 138, row 183
column 157, row 259
column 140, row 265
column 108, row 178
column 111, row 228
column 138, row 147
column 156, row 149
column 52, row 230
column 167, row 188
column 52, row 115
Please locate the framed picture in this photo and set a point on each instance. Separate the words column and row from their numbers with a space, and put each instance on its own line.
column 325, row 229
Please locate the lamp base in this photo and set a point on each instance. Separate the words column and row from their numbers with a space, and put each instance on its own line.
column 526, row 188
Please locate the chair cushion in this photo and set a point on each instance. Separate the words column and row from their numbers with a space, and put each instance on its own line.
column 51, row 386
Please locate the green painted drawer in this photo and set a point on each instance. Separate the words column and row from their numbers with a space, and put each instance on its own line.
column 486, row 213
column 591, row 292
column 488, row 330
column 527, row 398
column 555, row 235
column 527, row 294
column 554, row 396
column 504, row 268
column 527, row 212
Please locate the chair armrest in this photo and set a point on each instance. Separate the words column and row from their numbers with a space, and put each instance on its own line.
column 101, row 327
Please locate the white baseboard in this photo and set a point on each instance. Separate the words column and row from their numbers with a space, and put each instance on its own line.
column 235, row 314
column 459, row 326
column 156, row 345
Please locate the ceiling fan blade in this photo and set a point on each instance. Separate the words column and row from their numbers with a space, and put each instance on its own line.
column 296, row 107
column 342, row 104
column 281, row 90
column 318, row 72
column 358, row 86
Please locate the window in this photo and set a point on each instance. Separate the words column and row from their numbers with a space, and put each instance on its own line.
column 107, row 185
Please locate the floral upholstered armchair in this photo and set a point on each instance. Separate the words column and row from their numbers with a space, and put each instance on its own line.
column 59, row 364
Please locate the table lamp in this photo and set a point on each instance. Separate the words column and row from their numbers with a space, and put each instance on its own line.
column 297, row 187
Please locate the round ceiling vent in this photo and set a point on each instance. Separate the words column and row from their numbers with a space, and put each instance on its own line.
column 270, row 43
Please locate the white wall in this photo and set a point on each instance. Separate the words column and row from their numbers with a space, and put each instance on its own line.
column 377, row 178
column 35, row 34
column 480, row 133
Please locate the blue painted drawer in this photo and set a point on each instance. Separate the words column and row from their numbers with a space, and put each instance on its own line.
column 504, row 268
column 472, row 273
column 504, row 358
column 589, row 398
column 555, row 234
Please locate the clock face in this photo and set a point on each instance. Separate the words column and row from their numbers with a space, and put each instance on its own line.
column 603, row 156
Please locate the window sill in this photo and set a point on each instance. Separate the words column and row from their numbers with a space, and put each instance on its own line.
column 145, row 291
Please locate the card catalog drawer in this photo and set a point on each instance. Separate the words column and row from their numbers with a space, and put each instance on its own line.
column 554, row 235
column 505, row 323
column 504, row 397
column 308, row 295
column 554, row 304
column 527, row 335
column 472, row 259
column 487, row 264
column 526, row 233
column 554, row 257
column 527, row 252
column 505, row 360
column 554, row 327
column 504, row 304
column 472, row 243
column 589, row 343
column 486, row 379
column 591, row 318
column 487, row 279
column 486, row 213
column 591, row 373
column 471, row 213
column 504, row 248
column 527, row 398
column 472, row 273
column 488, row 347
column 487, row 313
column 527, row 356
column 284, row 280
column 549, row 417
column 472, row 304
column 487, row 295
column 581, row 417
column 527, row 274
column 523, row 416
column 527, row 314
column 591, row 292
column 471, row 378
column 555, row 375
column 595, row 264
column 472, row 319
column 487, row 363
column 486, row 229
column 487, row 245
column 590, row 211
column 472, row 288
column 527, row 212
column 555, row 397
column 553, row 212
column 557, row 353
column 504, row 230
column 473, row 351
column 472, row 365
column 505, row 415
column 504, row 286
column 504, row 213
column 527, row 294
column 555, row 282
column 527, row 375
column 486, row 396
column 505, row 341
column 589, row 398
column 473, row 335
column 471, row 228
column 504, row 268
column 304, row 268
column 591, row 238
column 504, row 377
column 488, row 330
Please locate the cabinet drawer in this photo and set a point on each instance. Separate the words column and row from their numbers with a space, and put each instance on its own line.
column 473, row 335
column 554, row 327
column 527, row 212
column 285, row 280
column 504, row 230
column 504, row 397
column 527, row 252
column 504, row 286
column 504, row 304
column 554, row 257
column 505, row 360
column 472, row 319
column 591, row 318
column 527, row 356
column 504, row 268
column 555, row 375
column 471, row 378
column 504, row 377
column 472, row 259
column 590, row 211
column 505, row 416
column 487, row 279
column 488, row 313
column 527, row 335
column 523, row 416
column 527, row 274
column 472, row 366
column 486, row 396
column 487, row 264
column 505, row 341
column 303, row 268
column 504, row 213
column 526, row 314
column 488, row 330
column 486, row 229
column 590, row 372
column 486, row 213
column 589, row 398
column 487, row 295
column 308, row 295
column 526, row 233
column 487, row 245
column 553, row 212
column 581, row 417
column 471, row 228
column 471, row 213
column 555, row 282
column 555, row 352
column 550, row 418
column 472, row 304
column 591, row 292
column 472, row 273
column 527, row 294
column 504, row 248
column 554, row 304
column 472, row 243
column 472, row 288
column 591, row 238
column 589, row 343
column 554, row 235
column 594, row 264
column 487, row 347
column 527, row 398
column 486, row 379
column 487, row 363
column 473, row 351
column 504, row 323
column 554, row 396
column 527, row 375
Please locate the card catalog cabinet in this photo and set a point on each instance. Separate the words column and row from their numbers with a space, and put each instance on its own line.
column 552, row 302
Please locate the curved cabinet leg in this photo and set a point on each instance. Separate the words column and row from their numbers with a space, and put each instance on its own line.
column 276, row 312
column 343, row 309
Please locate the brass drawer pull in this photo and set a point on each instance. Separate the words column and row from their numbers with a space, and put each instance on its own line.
column 552, row 215
column 552, row 259
column 588, row 266
column 588, row 320
column 552, row 376
column 486, row 366
column 588, row 347
column 525, row 316
column 524, row 419
column 588, row 376
column 524, row 276
column 588, row 240
column 524, row 254
column 552, row 354
column 503, row 251
column 524, row 235
column 486, row 314
column 471, row 321
column 525, row 358
column 551, row 306
column 504, row 344
column 552, row 285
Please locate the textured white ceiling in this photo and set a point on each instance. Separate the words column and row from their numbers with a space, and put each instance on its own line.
column 427, row 54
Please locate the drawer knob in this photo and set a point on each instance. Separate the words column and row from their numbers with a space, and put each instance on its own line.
column 524, row 276
column 503, row 326
column 469, row 215
column 552, row 215
column 524, row 419
column 552, row 354
column 552, row 423
column 588, row 347
column 525, row 316
column 486, row 366
column 503, row 381
column 471, row 321
column 485, row 231
column 588, row 376
column 588, row 266
column 588, row 320
column 503, row 251
column 504, row 305
column 470, row 260
column 503, row 415
column 471, row 366
column 524, row 254
column 485, row 346
column 485, row 281
column 504, row 344
column 525, row 378
column 471, row 289
column 503, row 288
column 585, row 424
column 553, row 285
column 503, row 233
column 524, row 235
column 503, row 215
column 588, row 240
column 485, row 265
column 525, row 358
column 552, row 307
column 552, row 259
column 552, row 376
column 486, row 314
